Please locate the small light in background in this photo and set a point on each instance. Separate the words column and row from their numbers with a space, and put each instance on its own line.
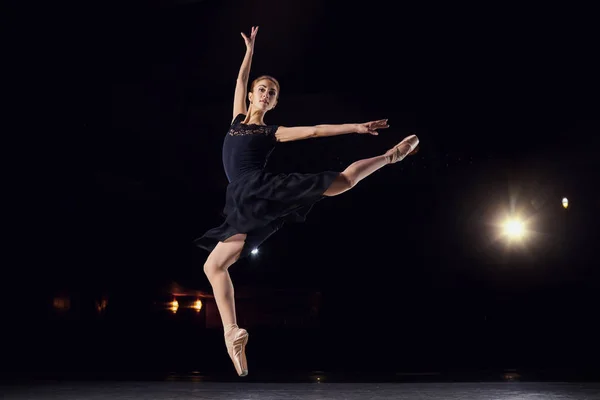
column 101, row 305
column 255, row 251
column 565, row 203
column 61, row 303
column 511, row 375
column 174, row 305
column 317, row 376
column 198, row 305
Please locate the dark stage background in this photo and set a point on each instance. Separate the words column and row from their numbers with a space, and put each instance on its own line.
column 125, row 109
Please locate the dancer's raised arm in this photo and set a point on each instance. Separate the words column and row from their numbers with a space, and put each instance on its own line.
column 239, row 99
column 288, row 134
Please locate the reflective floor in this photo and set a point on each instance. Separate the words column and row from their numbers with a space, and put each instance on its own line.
column 305, row 391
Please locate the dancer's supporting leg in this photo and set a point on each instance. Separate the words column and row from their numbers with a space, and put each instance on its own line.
column 360, row 169
column 216, row 267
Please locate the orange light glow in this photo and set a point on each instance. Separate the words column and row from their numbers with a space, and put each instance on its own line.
column 101, row 305
column 198, row 305
column 174, row 305
column 61, row 303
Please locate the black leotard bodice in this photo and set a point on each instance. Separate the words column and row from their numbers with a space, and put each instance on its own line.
column 247, row 147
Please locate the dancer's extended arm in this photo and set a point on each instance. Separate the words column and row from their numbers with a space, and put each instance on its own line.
column 239, row 99
column 288, row 134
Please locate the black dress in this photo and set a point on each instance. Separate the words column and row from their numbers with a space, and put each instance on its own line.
column 258, row 202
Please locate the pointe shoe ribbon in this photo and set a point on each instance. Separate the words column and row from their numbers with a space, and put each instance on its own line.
column 236, row 341
column 402, row 149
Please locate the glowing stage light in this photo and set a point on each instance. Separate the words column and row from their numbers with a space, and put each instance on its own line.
column 565, row 203
column 198, row 305
column 174, row 305
column 514, row 229
column 255, row 251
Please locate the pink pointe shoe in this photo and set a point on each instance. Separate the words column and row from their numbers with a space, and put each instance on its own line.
column 406, row 147
column 236, row 340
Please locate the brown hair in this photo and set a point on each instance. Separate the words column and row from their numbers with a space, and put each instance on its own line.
column 269, row 77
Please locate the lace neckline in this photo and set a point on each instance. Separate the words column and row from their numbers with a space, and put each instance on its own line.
column 250, row 129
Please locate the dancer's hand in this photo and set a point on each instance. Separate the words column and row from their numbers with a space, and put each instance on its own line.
column 371, row 127
column 250, row 40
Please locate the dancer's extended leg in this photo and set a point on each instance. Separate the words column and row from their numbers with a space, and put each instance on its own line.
column 360, row 169
column 216, row 267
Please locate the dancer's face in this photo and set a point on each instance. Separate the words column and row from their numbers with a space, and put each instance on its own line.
column 264, row 95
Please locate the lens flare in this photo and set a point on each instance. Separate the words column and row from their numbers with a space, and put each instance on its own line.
column 514, row 229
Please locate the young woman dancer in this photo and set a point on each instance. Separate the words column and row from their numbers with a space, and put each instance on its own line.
column 259, row 202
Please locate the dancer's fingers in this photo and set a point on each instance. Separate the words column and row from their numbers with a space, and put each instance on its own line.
column 382, row 123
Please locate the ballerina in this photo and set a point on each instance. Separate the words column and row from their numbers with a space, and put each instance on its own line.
column 258, row 202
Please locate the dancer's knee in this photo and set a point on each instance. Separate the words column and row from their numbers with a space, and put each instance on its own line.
column 211, row 268
column 214, row 266
column 224, row 255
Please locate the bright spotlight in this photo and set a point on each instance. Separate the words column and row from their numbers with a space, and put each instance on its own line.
column 255, row 251
column 565, row 203
column 514, row 229
column 198, row 305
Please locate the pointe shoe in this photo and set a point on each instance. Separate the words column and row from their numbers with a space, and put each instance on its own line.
column 401, row 150
column 236, row 341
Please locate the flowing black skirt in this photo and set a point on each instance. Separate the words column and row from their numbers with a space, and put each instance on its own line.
column 259, row 203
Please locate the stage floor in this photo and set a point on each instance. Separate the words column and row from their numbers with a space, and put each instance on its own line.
column 304, row 391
